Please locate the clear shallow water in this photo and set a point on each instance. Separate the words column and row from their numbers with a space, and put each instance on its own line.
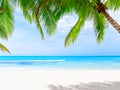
column 71, row 62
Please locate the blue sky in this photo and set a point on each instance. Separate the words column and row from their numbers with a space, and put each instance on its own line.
column 26, row 40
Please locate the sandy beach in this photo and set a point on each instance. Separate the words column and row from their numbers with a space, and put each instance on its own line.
column 39, row 79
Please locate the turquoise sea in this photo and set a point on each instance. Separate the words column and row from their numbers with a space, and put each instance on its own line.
column 62, row 62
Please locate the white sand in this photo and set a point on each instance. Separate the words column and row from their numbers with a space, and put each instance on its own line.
column 39, row 79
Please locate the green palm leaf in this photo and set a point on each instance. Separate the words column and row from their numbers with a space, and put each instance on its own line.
column 113, row 4
column 3, row 32
column 100, row 25
column 3, row 48
column 62, row 7
column 39, row 27
column 74, row 32
column 49, row 20
column 31, row 12
column 26, row 7
column 6, row 19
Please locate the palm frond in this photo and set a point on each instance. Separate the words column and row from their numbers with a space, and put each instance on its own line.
column 63, row 7
column 113, row 4
column 3, row 32
column 36, row 17
column 39, row 27
column 29, row 8
column 3, row 48
column 6, row 19
column 100, row 25
column 49, row 20
column 26, row 7
column 83, row 8
column 74, row 32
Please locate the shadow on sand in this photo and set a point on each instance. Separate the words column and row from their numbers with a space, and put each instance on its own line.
column 89, row 86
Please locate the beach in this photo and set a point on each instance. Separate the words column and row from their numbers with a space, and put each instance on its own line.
column 20, row 78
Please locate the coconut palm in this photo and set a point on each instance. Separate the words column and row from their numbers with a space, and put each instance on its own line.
column 50, row 11
column 95, row 10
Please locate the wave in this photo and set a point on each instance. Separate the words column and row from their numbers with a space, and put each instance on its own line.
column 29, row 61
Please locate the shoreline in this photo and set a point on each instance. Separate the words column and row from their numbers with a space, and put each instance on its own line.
column 17, row 78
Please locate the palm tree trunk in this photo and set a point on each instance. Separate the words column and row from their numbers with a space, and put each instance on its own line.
column 111, row 20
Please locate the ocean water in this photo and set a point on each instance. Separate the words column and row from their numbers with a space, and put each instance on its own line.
column 62, row 62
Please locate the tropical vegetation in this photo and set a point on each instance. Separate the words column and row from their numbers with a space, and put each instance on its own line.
column 48, row 12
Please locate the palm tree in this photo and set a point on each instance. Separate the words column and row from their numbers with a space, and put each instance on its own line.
column 95, row 10
column 50, row 11
column 6, row 21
